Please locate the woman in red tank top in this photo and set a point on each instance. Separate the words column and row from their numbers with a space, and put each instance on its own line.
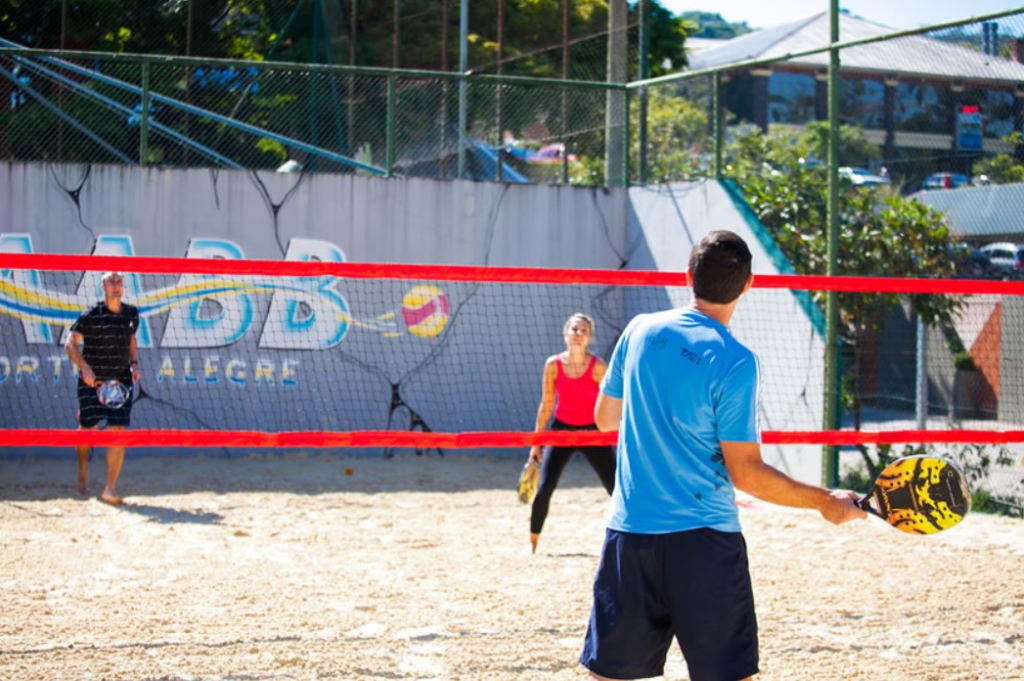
column 571, row 384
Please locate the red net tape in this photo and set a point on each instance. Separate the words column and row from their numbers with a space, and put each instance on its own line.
column 391, row 438
column 524, row 275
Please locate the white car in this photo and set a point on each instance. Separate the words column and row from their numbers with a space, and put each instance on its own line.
column 1006, row 259
column 862, row 177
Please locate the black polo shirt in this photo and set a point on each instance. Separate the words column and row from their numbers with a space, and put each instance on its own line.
column 107, row 340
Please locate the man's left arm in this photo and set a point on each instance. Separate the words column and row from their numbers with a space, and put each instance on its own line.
column 133, row 360
column 607, row 412
column 752, row 475
column 739, row 434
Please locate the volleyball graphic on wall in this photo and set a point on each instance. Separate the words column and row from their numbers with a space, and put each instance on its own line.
column 425, row 310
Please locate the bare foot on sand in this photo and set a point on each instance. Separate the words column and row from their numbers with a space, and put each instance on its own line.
column 82, row 483
column 111, row 499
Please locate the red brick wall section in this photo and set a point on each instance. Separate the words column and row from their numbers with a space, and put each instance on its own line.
column 987, row 349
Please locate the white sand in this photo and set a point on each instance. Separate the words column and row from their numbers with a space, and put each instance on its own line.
column 419, row 568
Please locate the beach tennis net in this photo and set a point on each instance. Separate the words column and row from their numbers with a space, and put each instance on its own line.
column 318, row 354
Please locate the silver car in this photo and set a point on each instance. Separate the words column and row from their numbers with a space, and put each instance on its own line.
column 1006, row 259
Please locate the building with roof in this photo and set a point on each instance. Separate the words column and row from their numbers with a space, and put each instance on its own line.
column 908, row 94
column 981, row 214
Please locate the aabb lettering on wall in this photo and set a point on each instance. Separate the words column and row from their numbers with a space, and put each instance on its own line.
column 207, row 312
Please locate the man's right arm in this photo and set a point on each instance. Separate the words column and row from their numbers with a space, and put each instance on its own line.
column 547, row 404
column 71, row 346
column 752, row 475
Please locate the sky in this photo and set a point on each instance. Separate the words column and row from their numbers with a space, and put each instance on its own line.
column 899, row 14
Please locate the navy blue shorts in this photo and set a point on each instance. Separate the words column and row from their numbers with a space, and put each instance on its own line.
column 694, row 585
column 91, row 412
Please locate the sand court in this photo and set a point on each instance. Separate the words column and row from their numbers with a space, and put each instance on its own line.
column 419, row 568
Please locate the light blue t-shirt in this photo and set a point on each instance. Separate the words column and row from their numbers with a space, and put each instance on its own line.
column 686, row 386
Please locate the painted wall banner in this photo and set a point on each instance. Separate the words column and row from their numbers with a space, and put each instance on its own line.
column 204, row 331
column 305, row 313
column 283, row 353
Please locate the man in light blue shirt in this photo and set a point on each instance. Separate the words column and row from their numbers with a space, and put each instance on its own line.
column 684, row 396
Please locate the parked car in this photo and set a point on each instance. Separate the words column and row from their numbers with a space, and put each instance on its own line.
column 946, row 181
column 974, row 264
column 552, row 153
column 1006, row 259
column 862, row 177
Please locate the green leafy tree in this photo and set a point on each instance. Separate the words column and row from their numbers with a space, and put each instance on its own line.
column 880, row 234
column 158, row 27
column 1004, row 168
column 676, row 142
column 855, row 148
column 668, row 40
column 712, row 25
column 676, row 136
column 321, row 31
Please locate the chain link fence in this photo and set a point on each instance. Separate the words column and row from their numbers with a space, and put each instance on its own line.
column 85, row 104
column 931, row 176
column 936, row 111
column 89, row 109
column 930, row 145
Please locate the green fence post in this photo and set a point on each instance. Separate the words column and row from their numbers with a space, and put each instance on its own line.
column 645, row 73
column 463, row 69
column 716, row 121
column 389, row 158
column 830, row 453
column 144, row 122
column 565, row 135
column 498, row 172
column 461, row 168
column 625, row 138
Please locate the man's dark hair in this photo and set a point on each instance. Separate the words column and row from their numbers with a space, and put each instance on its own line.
column 719, row 267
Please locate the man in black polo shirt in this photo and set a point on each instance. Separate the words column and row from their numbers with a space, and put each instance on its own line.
column 106, row 332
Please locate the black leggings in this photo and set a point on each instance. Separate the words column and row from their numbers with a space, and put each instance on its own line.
column 601, row 459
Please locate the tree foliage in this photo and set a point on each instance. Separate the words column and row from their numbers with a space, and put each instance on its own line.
column 668, row 38
column 322, row 31
column 1004, row 168
column 881, row 233
column 712, row 25
column 676, row 136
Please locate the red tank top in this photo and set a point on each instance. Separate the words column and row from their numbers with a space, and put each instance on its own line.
column 576, row 397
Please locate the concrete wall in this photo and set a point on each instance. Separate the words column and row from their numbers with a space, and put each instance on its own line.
column 779, row 325
column 372, row 220
column 273, row 355
column 277, row 359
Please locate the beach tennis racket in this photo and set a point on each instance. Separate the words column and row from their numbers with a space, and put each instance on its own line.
column 919, row 495
column 112, row 394
column 528, row 481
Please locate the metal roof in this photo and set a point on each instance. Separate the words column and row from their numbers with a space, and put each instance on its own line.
column 981, row 213
column 914, row 56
